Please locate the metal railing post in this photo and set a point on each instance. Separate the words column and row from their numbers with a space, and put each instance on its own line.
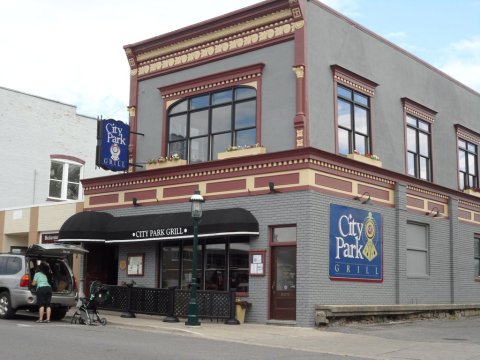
column 171, row 306
column 232, row 320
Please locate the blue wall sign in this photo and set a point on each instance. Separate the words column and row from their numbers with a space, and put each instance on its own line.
column 113, row 138
column 356, row 244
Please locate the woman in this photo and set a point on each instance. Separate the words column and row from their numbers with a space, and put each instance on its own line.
column 44, row 292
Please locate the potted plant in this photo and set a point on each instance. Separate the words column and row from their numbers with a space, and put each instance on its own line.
column 366, row 158
column 241, row 306
column 162, row 162
column 245, row 150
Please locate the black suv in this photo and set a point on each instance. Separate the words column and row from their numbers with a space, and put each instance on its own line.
column 16, row 275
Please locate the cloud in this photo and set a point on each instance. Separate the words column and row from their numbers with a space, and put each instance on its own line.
column 462, row 61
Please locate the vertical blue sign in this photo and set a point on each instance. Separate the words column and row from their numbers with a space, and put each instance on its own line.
column 113, row 138
column 356, row 244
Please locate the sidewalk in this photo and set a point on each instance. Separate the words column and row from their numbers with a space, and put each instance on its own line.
column 307, row 339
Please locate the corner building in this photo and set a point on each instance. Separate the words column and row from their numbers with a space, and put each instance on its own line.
column 358, row 185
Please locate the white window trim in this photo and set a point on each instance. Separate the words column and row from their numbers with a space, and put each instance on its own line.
column 66, row 163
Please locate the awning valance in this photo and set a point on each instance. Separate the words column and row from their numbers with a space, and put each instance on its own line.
column 137, row 228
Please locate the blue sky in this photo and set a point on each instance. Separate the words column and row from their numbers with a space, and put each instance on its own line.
column 72, row 51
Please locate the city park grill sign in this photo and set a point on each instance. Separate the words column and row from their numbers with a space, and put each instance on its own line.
column 356, row 244
column 113, row 138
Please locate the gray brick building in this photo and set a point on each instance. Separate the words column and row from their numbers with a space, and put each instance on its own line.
column 362, row 178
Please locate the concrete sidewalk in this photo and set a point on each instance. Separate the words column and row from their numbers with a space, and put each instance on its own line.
column 321, row 340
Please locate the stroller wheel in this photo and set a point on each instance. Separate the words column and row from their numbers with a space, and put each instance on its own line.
column 81, row 321
column 103, row 321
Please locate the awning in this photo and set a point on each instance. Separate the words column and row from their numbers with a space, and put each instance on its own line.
column 157, row 227
column 88, row 226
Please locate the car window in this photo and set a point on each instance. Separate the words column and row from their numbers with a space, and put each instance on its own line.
column 10, row 265
column 14, row 265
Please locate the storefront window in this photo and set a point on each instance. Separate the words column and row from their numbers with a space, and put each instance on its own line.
column 215, row 267
column 171, row 266
column 214, row 272
column 239, row 266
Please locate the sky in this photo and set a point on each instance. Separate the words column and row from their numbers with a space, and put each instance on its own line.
column 72, row 51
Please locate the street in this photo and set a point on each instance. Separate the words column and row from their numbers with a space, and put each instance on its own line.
column 150, row 338
column 22, row 338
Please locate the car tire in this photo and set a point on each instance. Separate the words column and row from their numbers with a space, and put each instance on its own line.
column 58, row 313
column 6, row 311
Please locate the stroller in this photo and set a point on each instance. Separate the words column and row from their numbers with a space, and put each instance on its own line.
column 87, row 313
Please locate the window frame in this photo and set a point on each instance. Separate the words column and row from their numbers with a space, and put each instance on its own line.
column 66, row 162
column 472, row 138
column 476, row 257
column 361, row 86
column 422, row 115
column 249, row 76
column 425, row 250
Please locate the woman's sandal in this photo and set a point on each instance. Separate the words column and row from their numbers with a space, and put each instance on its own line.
column 39, row 321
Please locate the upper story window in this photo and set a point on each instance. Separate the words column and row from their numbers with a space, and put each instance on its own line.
column 354, row 96
column 476, row 254
column 65, row 175
column 467, row 142
column 418, row 139
column 202, row 126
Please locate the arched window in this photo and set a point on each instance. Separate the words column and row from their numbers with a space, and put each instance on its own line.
column 201, row 126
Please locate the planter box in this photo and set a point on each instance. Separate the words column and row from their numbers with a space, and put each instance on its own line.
column 243, row 152
column 166, row 164
column 365, row 159
column 472, row 192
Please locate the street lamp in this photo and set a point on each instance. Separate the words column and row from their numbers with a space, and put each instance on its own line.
column 196, row 201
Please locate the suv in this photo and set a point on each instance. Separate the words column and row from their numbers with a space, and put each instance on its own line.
column 16, row 275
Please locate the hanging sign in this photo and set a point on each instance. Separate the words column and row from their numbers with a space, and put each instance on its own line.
column 113, row 138
column 356, row 244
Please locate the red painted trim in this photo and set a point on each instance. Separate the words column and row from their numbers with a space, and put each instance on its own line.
column 330, row 182
column 226, row 186
column 179, row 191
column 140, row 195
column 414, row 202
column 67, row 157
column 375, row 192
column 286, row 179
column 103, row 199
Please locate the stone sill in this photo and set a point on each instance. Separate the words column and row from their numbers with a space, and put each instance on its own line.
column 472, row 192
column 364, row 159
column 242, row 152
column 166, row 164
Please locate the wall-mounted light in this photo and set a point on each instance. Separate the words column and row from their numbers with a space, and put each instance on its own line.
column 271, row 186
column 135, row 202
column 364, row 198
column 434, row 212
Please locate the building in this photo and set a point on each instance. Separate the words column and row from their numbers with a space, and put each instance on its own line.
column 47, row 148
column 355, row 188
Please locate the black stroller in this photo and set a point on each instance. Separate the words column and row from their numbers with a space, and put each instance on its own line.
column 87, row 313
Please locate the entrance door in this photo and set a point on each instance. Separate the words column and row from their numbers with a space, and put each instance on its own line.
column 101, row 265
column 283, row 286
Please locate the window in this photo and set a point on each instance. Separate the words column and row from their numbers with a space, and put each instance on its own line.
column 222, row 264
column 202, row 126
column 10, row 265
column 65, row 178
column 353, row 121
column 417, row 250
column 418, row 139
column 476, row 255
column 353, row 104
column 467, row 142
column 418, row 148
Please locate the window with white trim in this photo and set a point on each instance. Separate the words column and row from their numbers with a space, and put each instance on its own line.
column 65, row 180
column 476, row 255
column 417, row 250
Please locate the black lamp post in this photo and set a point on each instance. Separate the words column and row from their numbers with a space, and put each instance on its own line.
column 196, row 201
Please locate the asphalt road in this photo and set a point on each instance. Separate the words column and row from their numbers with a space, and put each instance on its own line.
column 22, row 338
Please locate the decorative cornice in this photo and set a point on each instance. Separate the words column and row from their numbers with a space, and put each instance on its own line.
column 189, row 53
column 468, row 135
column 216, row 35
column 353, row 80
column 427, row 192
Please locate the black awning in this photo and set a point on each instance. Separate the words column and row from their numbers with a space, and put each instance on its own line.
column 85, row 226
column 223, row 222
column 97, row 226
